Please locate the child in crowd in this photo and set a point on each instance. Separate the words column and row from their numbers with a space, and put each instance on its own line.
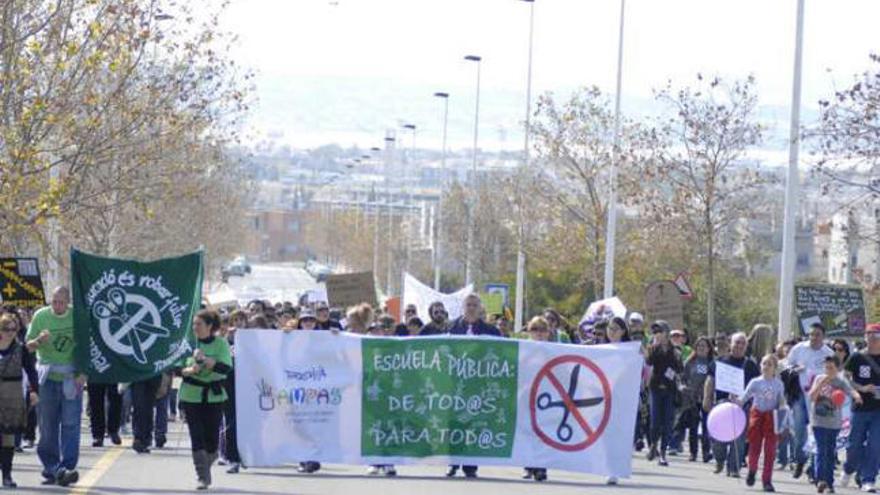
column 767, row 395
column 825, row 417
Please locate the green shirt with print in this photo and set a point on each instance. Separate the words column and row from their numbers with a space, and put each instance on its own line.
column 59, row 348
column 218, row 349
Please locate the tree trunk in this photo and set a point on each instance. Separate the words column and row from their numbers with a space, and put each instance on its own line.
column 710, row 300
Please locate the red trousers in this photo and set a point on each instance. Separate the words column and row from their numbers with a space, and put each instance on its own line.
column 761, row 432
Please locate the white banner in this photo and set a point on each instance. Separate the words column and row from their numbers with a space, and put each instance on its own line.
column 415, row 292
column 316, row 396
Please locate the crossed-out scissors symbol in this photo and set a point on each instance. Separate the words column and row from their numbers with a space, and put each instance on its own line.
column 564, row 432
column 132, row 328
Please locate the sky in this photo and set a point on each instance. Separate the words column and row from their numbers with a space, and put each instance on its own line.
column 345, row 71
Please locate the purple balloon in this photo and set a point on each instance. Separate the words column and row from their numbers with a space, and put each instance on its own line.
column 726, row 422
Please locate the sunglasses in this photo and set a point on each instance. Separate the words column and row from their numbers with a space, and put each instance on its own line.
column 10, row 329
column 839, row 349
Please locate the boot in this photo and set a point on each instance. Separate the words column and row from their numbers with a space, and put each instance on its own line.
column 200, row 461
column 6, row 454
column 210, row 458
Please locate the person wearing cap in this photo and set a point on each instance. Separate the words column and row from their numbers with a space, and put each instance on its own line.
column 323, row 320
column 665, row 361
column 807, row 359
column 307, row 320
column 863, row 451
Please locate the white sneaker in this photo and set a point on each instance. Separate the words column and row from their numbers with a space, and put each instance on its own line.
column 868, row 488
column 843, row 482
column 373, row 470
column 611, row 480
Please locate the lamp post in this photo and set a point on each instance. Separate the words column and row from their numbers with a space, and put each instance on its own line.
column 611, row 227
column 407, row 238
column 389, row 150
column 786, row 281
column 378, row 215
column 468, row 268
column 520, row 254
column 357, row 216
column 438, row 214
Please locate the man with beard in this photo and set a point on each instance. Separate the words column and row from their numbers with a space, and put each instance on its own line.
column 439, row 323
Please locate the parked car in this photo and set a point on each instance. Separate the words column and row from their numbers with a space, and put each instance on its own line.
column 318, row 271
column 239, row 267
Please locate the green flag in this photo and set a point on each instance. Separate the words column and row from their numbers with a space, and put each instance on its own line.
column 132, row 319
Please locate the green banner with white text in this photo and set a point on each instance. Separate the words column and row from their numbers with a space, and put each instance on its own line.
column 132, row 319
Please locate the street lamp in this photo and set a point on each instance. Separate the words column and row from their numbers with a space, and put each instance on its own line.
column 389, row 143
column 405, row 213
column 611, row 226
column 789, row 251
column 438, row 213
column 520, row 253
column 468, row 271
column 376, row 149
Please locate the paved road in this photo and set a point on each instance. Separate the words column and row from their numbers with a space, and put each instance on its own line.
column 117, row 470
column 275, row 282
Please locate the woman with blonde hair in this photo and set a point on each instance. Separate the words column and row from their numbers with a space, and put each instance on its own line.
column 359, row 318
column 761, row 341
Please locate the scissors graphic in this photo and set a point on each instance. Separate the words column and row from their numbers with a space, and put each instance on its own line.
column 133, row 330
column 564, row 432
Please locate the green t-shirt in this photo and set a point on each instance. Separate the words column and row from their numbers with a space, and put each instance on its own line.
column 218, row 349
column 59, row 348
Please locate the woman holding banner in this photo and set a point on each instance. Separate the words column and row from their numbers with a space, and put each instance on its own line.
column 538, row 330
column 202, row 395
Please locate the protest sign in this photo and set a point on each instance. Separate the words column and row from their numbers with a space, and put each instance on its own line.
column 20, row 283
column 350, row 289
column 435, row 400
column 502, row 289
column 839, row 308
column 419, row 294
column 132, row 319
column 493, row 302
column 663, row 302
column 729, row 379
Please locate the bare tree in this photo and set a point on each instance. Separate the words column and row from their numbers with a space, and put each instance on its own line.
column 701, row 179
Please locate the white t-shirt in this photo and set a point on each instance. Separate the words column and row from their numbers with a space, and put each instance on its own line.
column 811, row 359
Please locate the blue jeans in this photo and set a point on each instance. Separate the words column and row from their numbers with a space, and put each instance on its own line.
column 662, row 418
column 172, row 401
column 826, row 454
column 800, row 418
column 59, row 420
column 785, row 450
column 730, row 453
column 162, row 417
column 865, row 427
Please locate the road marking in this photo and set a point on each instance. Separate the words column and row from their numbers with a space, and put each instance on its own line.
column 94, row 474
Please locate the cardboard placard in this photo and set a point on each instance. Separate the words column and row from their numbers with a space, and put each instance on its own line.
column 20, row 283
column 663, row 302
column 350, row 289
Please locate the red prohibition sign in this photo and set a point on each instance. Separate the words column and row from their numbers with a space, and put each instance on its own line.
column 546, row 372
